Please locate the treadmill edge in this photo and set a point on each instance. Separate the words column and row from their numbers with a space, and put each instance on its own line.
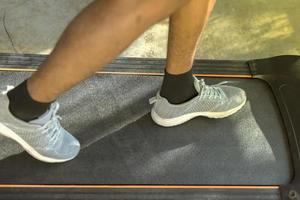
column 283, row 81
column 282, row 73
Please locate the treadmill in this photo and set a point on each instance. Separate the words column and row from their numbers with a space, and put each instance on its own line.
column 253, row 154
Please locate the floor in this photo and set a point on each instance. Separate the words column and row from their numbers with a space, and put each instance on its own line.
column 236, row 30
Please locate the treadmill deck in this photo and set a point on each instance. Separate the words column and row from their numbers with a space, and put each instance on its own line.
column 122, row 145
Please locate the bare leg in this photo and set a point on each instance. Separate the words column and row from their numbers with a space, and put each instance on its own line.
column 186, row 25
column 93, row 39
column 194, row 98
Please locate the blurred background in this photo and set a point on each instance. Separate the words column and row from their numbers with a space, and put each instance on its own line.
column 236, row 30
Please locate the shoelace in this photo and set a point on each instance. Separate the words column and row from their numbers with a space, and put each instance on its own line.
column 212, row 91
column 53, row 127
column 8, row 88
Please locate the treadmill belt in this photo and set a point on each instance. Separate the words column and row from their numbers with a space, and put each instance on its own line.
column 122, row 145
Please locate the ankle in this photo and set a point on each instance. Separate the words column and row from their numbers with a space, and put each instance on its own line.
column 178, row 88
column 37, row 93
column 23, row 106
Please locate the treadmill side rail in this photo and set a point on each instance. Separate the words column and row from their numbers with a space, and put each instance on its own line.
column 282, row 73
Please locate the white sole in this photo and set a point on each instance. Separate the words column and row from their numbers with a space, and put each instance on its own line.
column 5, row 131
column 184, row 118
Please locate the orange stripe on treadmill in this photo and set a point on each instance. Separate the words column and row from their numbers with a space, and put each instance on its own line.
column 139, row 73
column 226, row 75
column 135, row 187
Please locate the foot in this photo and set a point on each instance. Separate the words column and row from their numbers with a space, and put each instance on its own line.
column 215, row 101
column 44, row 138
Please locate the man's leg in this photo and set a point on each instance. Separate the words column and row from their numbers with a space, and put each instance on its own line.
column 186, row 26
column 102, row 31
column 182, row 97
column 93, row 39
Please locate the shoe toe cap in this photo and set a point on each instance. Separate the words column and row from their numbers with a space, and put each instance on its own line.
column 240, row 96
column 236, row 96
column 67, row 149
column 71, row 146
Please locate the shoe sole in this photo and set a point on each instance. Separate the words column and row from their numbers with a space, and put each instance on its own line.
column 5, row 131
column 184, row 118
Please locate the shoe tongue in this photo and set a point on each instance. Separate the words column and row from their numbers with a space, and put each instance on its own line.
column 43, row 119
column 197, row 85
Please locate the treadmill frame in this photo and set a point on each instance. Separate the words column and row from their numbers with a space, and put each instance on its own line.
column 282, row 73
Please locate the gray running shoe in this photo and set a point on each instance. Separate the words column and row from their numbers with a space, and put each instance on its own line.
column 215, row 101
column 43, row 138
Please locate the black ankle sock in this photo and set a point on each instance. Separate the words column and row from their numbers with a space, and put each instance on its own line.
column 179, row 88
column 22, row 106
